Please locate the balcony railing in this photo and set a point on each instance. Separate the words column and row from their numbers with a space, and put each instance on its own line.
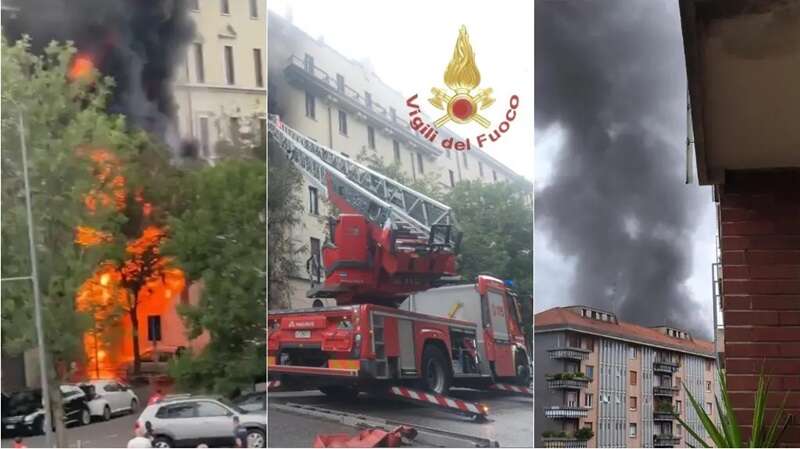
column 665, row 391
column 561, row 412
column 563, row 442
column 567, row 384
column 569, row 353
column 394, row 123
column 661, row 415
column 666, row 440
column 665, row 366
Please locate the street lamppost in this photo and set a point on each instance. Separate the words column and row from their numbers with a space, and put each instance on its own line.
column 34, row 278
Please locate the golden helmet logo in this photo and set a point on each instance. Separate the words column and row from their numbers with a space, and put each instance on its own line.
column 462, row 103
column 462, row 77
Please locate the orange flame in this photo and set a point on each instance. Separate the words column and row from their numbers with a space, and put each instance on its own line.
column 82, row 68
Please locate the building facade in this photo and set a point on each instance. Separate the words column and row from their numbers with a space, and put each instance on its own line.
column 619, row 380
column 744, row 109
column 344, row 105
column 221, row 89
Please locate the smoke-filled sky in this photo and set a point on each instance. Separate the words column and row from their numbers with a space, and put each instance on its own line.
column 616, row 226
column 138, row 43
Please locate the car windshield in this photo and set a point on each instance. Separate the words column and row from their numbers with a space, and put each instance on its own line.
column 232, row 406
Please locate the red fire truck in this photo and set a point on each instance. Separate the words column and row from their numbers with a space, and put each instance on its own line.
column 389, row 257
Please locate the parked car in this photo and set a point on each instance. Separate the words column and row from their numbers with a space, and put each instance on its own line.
column 24, row 413
column 155, row 362
column 252, row 402
column 109, row 397
column 188, row 421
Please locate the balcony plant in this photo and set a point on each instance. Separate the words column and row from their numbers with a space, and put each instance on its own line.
column 664, row 407
column 728, row 433
column 548, row 434
column 584, row 434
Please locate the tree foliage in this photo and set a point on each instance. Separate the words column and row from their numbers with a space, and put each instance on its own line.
column 61, row 117
column 219, row 240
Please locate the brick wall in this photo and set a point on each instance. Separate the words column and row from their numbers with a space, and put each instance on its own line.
column 760, row 230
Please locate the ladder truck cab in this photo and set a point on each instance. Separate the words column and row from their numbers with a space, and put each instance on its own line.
column 387, row 261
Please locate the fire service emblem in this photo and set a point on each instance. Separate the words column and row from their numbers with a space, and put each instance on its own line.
column 462, row 102
column 462, row 77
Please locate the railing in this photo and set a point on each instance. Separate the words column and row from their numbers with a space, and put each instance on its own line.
column 563, row 442
column 569, row 353
column 573, row 384
column 557, row 412
column 663, row 415
column 359, row 102
column 665, row 391
column 665, row 366
column 666, row 440
column 381, row 199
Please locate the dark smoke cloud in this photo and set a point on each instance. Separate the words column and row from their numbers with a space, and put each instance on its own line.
column 137, row 42
column 611, row 75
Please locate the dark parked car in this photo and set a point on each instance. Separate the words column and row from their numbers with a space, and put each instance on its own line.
column 23, row 413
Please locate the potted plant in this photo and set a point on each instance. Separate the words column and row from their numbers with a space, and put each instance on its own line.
column 584, row 434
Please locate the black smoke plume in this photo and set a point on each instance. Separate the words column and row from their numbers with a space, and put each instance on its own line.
column 611, row 75
column 139, row 43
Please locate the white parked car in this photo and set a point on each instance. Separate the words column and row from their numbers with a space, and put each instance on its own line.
column 109, row 397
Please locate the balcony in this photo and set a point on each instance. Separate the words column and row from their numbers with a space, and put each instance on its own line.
column 563, row 412
column 663, row 415
column 665, row 391
column 666, row 440
column 569, row 353
column 297, row 72
column 665, row 366
column 567, row 381
column 563, row 442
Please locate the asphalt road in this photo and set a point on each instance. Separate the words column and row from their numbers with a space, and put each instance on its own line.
column 113, row 433
column 510, row 417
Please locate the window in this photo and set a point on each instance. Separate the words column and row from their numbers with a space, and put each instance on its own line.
column 494, row 176
column 209, row 409
column 308, row 63
column 199, row 70
column 708, row 365
column 413, row 167
column 633, row 377
column 342, row 123
column 452, row 178
column 678, row 407
column 230, row 76
column 480, row 168
column 588, row 425
column 205, row 147
column 678, row 431
column 393, row 114
column 111, row 387
column 708, row 408
column 631, row 352
column 420, row 164
column 311, row 106
column 339, row 82
column 572, row 399
column 313, row 201
column 371, row 137
column 590, row 371
column 708, row 385
column 396, row 148
column 633, row 403
column 588, row 398
column 368, row 99
column 466, row 164
column 254, row 9
column 258, row 64
column 632, row 430
column 225, row 7
column 318, row 303
column 177, row 411
column 678, row 382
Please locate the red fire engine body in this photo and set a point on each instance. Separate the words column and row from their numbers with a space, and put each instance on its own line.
column 393, row 324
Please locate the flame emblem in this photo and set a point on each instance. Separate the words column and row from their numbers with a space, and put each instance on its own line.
column 462, row 77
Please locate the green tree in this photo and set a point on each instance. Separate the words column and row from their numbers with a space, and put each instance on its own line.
column 218, row 239
column 427, row 184
column 62, row 117
column 284, row 208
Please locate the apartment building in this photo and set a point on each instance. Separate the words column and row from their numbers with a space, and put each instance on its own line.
column 343, row 105
column 221, row 90
column 620, row 380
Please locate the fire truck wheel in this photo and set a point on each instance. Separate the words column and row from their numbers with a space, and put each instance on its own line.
column 436, row 375
column 339, row 392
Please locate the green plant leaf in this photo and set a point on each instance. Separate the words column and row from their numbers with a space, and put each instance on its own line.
column 718, row 438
